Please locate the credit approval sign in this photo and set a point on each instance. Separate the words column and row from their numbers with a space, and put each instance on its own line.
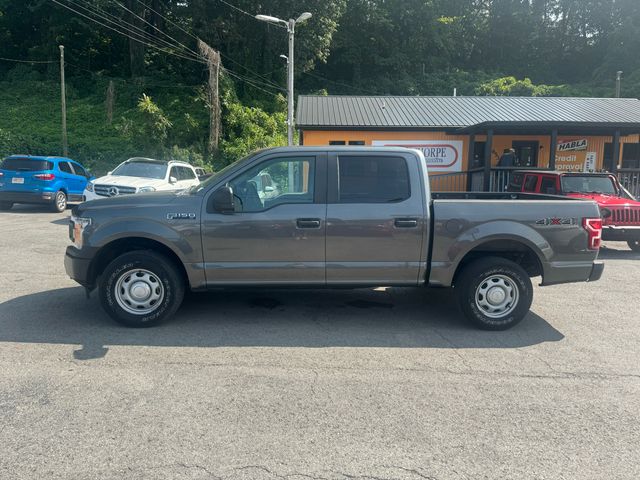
column 441, row 155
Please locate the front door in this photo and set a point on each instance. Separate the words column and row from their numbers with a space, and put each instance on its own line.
column 277, row 234
column 375, row 219
column 526, row 153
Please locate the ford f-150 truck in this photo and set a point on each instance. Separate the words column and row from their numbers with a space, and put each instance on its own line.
column 330, row 217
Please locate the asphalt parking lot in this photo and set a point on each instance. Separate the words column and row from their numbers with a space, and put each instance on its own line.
column 367, row 384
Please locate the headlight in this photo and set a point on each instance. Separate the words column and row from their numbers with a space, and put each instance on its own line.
column 146, row 189
column 89, row 187
column 77, row 226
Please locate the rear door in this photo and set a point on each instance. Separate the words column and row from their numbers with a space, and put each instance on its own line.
column 278, row 240
column 375, row 219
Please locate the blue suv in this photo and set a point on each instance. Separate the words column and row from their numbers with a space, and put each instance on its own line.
column 46, row 180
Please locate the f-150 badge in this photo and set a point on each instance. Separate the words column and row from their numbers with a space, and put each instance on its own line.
column 181, row 216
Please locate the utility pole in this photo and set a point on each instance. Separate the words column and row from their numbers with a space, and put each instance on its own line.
column 63, row 98
column 212, row 57
column 618, row 81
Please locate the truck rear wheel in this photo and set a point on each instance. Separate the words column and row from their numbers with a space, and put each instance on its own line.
column 141, row 289
column 494, row 293
column 634, row 245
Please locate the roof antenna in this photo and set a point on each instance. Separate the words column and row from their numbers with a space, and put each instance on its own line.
column 455, row 92
column 384, row 105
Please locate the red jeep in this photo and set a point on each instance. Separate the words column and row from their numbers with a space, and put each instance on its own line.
column 620, row 211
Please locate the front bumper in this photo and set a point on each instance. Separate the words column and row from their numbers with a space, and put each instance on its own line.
column 620, row 234
column 77, row 267
column 596, row 271
column 27, row 197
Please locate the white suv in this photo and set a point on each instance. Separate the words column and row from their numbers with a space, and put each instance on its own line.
column 138, row 175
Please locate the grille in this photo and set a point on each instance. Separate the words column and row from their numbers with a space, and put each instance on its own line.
column 628, row 216
column 103, row 190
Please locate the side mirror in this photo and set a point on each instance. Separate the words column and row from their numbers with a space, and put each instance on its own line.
column 109, row 172
column 269, row 189
column 222, row 201
column 173, row 180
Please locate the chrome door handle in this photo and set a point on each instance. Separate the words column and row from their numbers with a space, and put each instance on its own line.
column 405, row 223
column 308, row 223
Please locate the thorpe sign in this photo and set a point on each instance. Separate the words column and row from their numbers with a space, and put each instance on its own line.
column 441, row 155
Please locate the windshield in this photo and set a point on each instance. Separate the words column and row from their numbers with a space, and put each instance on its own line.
column 141, row 168
column 588, row 184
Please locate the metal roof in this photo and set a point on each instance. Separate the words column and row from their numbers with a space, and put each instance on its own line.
column 324, row 112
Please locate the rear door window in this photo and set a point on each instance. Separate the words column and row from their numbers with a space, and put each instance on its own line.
column 530, row 182
column 65, row 167
column 374, row 179
column 20, row 164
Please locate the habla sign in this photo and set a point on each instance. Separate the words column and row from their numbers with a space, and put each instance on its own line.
column 573, row 145
column 440, row 155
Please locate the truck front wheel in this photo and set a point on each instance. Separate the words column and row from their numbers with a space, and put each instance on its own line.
column 494, row 293
column 141, row 289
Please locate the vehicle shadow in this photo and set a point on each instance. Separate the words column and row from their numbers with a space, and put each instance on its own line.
column 25, row 208
column 390, row 318
column 616, row 252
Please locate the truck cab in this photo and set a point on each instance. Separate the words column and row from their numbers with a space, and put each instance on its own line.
column 619, row 210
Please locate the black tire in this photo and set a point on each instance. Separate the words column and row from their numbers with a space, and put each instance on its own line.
column 4, row 206
column 501, row 278
column 168, row 280
column 634, row 245
column 59, row 204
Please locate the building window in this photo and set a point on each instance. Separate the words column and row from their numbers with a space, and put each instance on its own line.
column 356, row 142
column 337, row 142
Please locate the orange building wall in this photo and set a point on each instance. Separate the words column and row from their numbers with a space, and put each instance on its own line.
column 500, row 142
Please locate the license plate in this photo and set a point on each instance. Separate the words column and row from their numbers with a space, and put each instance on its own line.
column 17, row 180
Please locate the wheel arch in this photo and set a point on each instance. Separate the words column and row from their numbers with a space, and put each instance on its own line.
column 119, row 246
column 512, row 249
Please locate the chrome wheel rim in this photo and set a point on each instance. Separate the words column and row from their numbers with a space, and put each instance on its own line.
column 497, row 296
column 139, row 291
column 61, row 201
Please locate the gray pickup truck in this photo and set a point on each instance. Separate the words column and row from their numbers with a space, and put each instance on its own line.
column 330, row 217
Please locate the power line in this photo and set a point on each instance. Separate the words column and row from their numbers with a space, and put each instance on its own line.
column 249, row 82
column 168, row 20
column 263, row 77
column 124, row 34
column 122, row 24
column 155, row 28
column 370, row 92
column 266, row 85
column 245, row 12
column 27, row 61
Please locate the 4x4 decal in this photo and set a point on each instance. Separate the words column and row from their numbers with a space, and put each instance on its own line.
column 557, row 221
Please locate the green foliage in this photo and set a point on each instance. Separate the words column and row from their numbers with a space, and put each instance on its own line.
column 511, row 87
column 249, row 128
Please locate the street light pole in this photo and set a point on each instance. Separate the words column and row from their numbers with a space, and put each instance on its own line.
column 291, row 29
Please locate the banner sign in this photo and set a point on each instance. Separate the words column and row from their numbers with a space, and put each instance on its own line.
column 572, row 155
column 441, row 155
column 572, row 145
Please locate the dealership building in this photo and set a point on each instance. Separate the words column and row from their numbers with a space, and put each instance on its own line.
column 463, row 138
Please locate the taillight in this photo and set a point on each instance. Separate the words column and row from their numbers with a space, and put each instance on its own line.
column 593, row 226
column 44, row 176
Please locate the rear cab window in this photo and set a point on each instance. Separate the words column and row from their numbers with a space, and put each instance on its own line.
column 23, row 164
column 372, row 179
